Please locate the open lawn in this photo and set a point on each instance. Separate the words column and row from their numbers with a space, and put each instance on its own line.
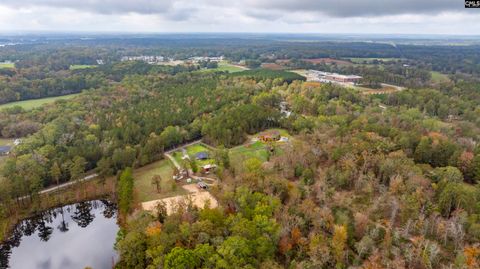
column 252, row 150
column 257, row 149
column 81, row 66
column 6, row 142
column 143, row 182
column 194, row 149
column 225, row 67
column 34, row 103
column 7, row 65
column 438, row 77
column 192, row 152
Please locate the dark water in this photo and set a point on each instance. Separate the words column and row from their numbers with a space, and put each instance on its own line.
column 74, row 236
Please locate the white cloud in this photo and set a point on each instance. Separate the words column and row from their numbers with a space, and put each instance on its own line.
column 300, row 16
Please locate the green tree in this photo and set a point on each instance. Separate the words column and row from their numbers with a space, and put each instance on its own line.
column 156, row 180
column 77, row 167
column 180, row 258
column 125, row 191
column 56, row 172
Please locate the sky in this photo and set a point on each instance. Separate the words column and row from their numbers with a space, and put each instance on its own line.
column 263, row 16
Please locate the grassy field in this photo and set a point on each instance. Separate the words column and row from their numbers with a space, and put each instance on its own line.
column 438, row 77
column 225, row 67
column 370, row 60
column 81, row 66
column 256, row 149
column 6, row 142
column 34, row 103
column 7, row 65
column 143, row 181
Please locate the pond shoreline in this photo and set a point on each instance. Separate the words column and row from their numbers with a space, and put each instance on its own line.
column 85, row 191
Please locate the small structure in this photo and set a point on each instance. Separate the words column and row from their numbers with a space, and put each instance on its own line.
column 202, row 155
column 181, row 175
column 202, row 185
column 17, row 141
column 5, row 150
column 269, row 136
column 208, row 168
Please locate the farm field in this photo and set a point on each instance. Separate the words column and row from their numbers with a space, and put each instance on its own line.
column 81, row 66
column 7, row 65
column 34, row 103
column 143, row 182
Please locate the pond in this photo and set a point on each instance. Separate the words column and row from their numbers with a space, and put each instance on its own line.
column 74, row 236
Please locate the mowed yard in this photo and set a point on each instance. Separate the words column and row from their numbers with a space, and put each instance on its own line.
column 192, row 152
column 34, row 103
column 255, row 149
column 144, row 188
column 225, row 67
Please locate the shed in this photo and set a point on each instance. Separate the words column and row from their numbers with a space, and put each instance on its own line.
column 5, row 150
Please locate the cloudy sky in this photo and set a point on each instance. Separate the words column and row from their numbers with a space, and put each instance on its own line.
column 293, row 16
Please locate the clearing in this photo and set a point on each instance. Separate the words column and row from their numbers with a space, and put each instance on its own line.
column 34, row 103
column 192, row 151
column 255, row 148
column 144, row 188
column 7, row 65
column 81, row 66
column 225, row 67
column 372, row 60
column 438, row 77
column 327, row 61
column 199, row 198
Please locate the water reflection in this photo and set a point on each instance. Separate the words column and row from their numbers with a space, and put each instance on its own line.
column 73, row 236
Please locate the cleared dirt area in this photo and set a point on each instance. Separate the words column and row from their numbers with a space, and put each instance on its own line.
column 196, row 196
column 272, row 66
column 326, row 61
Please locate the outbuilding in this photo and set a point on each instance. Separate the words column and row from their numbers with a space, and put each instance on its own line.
column 5, row 150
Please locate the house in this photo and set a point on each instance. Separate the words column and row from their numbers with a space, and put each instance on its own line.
column 208, row 168
column 5, row 150
column 202, row 155
column 269, row 136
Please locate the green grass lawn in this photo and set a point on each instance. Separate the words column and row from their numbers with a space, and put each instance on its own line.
column 255, row 150
column 7, row 65
column 81, row 66
column 143, row 181
column 34, row 103
column 6, row 142
column 224, row 67
column 438, row 77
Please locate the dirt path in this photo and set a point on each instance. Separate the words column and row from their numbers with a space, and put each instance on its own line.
column 64, row 185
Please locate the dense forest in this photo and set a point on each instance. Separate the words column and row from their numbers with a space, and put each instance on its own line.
column 388, row 180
